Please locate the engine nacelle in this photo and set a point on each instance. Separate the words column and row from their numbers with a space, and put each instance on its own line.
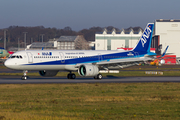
column 48, row 73
column 88, row 70
column 162, row 61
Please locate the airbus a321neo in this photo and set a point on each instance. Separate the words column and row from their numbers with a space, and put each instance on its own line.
column 86, row 62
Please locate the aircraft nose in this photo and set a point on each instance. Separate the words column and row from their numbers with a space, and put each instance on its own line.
column 10, row 63
column 7, row 63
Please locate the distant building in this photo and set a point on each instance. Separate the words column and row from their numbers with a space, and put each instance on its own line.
column 72, row 43
column 40, row 45
column 112, row 40
column 54, row 40
column 167, row 32
column 66, row 43
column 62, row 43
column 91, row 44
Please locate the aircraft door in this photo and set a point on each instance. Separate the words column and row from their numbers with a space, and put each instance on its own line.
column 100, row 57
column 62, row 57
column 30, row 57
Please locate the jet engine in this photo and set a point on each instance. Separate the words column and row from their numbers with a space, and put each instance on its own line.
column 88, row 70
column 48, row 73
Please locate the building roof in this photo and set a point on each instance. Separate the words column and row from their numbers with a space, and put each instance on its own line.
column 167, row 20
column 134, row 30
column 40, row 45
column 67, row 39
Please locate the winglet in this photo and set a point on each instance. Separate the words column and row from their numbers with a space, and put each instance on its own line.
column 164, row 51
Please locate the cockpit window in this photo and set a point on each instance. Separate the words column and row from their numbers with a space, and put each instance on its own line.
column 13, row 56
column 16, row 56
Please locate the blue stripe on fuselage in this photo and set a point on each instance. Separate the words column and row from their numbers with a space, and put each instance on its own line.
column 93, row 59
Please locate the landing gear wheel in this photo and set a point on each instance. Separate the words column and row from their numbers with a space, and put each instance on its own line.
column 24, row 77
column 99, row 76
column 71, row 76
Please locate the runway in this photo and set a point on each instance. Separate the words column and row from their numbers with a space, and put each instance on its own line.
column 62, row 80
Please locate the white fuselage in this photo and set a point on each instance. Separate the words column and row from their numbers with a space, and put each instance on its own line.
column 71, row 59
column 66, row 59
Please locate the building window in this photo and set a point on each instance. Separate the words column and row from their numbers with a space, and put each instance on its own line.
column 108, row 44
column 72, row 43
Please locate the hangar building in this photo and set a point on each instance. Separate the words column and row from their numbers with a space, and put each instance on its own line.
column 113, row 40
column 168, row 33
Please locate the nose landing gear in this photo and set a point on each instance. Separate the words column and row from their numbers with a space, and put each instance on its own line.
column 24, row 77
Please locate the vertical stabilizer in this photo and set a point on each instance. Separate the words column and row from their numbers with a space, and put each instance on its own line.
column 145, row 40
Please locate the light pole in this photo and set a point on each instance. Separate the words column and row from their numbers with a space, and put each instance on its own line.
column 18, row 44
column 42, row 37
column 31, row 40
column 25, row 39
column 5, row 38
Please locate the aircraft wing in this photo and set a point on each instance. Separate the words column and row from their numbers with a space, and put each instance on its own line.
column 122, row 63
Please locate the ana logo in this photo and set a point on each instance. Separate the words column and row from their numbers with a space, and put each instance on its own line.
column 46, row 53
column 130, row 54
column 146, row 35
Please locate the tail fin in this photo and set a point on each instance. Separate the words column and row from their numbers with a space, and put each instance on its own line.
column 145, row 40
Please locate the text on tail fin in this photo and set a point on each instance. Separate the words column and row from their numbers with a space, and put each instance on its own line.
column 145, row 36
column 145, row 40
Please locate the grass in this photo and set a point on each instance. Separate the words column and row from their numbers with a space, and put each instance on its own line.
column 90, row 101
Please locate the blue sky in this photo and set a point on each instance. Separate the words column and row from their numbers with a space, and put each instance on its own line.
column 80, row 14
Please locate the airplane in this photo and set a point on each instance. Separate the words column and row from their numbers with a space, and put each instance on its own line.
column 3, row 54
column 86, row 62
column 159, row 60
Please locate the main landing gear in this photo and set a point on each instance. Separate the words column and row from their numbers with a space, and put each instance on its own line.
column 98, row 76
column 71, row 76
column 24, row 77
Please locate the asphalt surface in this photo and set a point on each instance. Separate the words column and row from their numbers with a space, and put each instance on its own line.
column 109, row 79
column 61, row 80
column 165, row 68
